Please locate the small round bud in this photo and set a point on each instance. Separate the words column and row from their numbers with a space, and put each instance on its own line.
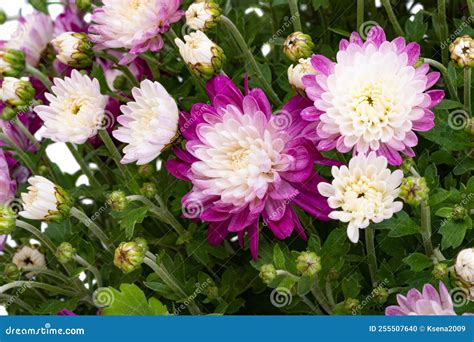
column 146, row 171
column 149, row 190
column 465, row 267
column 11, row 272
column 308, row 264
column 203, row 15
column 3, row 17
column 298, row 45
column 380, row 295
column 65, row 252
column 414, row 190
column 462, row 51
column 419, row 63
column 351, row 304
column 17, row 92
column 440, row 271
column 7, row 220
column 83, row 5
column 459, row 213
column 143, row 244
column 333, row 274
column 129, row 256
column 120, row 83
column 267, row 273
column 73, row 49
column 117, row 200
column 8, row 114
column 407, row 165
column 43, row 170
column 12, row 62
column 212, row 292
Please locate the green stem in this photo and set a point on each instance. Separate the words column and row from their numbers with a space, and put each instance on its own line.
column 313, row 307
column 84, row 167
column 38, row 234
column 95, row 229
column 36, row 285
column 320, row 297
column 49, row 273
column 329, row 293
column 38, row 75
column 27, row 133
column 24, row 158
column 426, row 228
column 360, row 13
column 470, row 5
column 467, row 89
column 118, row 97
column 127, row 73
column 295, row 15
column 168, row 279
column 444, row 71
column 91, row 268
column 444, row 30
column 392, row 17
column 371, row 257
column 251, row 59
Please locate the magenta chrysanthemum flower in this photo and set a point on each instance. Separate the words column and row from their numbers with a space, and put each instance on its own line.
column 135, row 25
column 429, row 302
column 373, row 97
column 246, row 164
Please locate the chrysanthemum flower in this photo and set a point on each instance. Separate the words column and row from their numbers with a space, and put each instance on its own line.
column 76, row 109
column 298, row 71
column 202, row 15
column 136, row 25
column 373, row 98
column 32, row 36
column 246, row 164
column 365, row 191
column 148, row 124
column 429, row 302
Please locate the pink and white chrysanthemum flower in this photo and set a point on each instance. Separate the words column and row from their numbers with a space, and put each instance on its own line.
column 136, row 25
column 372, row 98
column 246, row 164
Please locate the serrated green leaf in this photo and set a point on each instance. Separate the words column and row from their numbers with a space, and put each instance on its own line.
column 418, row 262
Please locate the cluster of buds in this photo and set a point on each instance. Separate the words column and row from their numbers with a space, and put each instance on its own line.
column 130, row 255
column 117, row 200
column 298, row 45
column 149, row 190
column 73, row 49
column 308, row 264
column 440, row 271
column 297, row 72
column 12, row 62
column 65, row 252
column 203, row 57
column 17, row 94
column 267, row 273
column 146, row 171
column 7, row 220
column 462, row 51
column 414, row 190
column 203, row 15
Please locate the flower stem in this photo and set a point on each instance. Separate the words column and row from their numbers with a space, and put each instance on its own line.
column 444, row 71
column 95, row 229
column 426, row 228
column 320, row 297
column 27, row 133
column 360, row 13
column 251, row 59
column 467, row 89
column 470, row 5
column 34, row 284
column 38, row 234
column 38, row 75
column 393, row 19
column 24, row 158
column 444, row 30
column 91, row 268
column 371, row 257
column 313, row 307
column 295, row 15
column 169, row 280
column 126, row 72
column 84, row 167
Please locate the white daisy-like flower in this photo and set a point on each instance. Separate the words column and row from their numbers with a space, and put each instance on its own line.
column 296, row 73
column 465, row 266
column 365, row 191
column 8, row 89
column 148, row 124
column 73, row 49
column 76, row 109
column 29, row 257
column 44, row 200
column 201, row 15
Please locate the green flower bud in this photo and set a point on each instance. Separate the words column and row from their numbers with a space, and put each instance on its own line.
column 333, row 273
column 459, row 213
column 17, row 92
column 3, row 17
column 65, row 252
column 149, row 190
column 83, row 5
column 11, row 272
column 462, row 51
column 7, row 220
column 12, row 63
column 470, row 126
column 143, row 244
column 212, row 292
column 121, row 83
column 419, row 63
column 117, row 200
column 73, row 49
column 414, row 190
column 298, row 45
column 203, row 15
column 308, row 264
column 440, row 271
column 407, row 165
column 129, row 256
column 146, row 171
column 351, row 304
column 64, row 203
column 380, row 295
column 267, row 273
column 43, row 170
column 8, row 114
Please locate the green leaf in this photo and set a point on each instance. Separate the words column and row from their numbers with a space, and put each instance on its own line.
column 415, row 29
column 278, row 258
column 418, row 262
column 439, row 196
column 399, row 225
column 304, row 285
column 351, row 286
column 449, row 104
column 129, row 218
column 317, row 4
column 129, row 301
column 444, row 212
column 453, row 232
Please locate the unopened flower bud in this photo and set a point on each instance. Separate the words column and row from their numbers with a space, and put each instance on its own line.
column 83, row 5
column 440, row 271
column 143, row 244
column 308, row 264
column 465, row 266
column 117, row 200
column 73, row 49
column 203, row 57
column 16, row 92
column 333, row 273
column 8, row 114
column 203, row 15
column 462, row 51
column 351, row 304
column 12, row 62
column 129, row 256
column 298, row 45
column 212, row 292
column 296, row 73
column 380, row 295
column 146, row 171
column 120, row 83
column 267, row 273
column 149, row 190
column 3, row 17
column 7, row 220
column 414, row 190
column 459, row 213
column 65, row 252
column 407, row 164
column 11, row 272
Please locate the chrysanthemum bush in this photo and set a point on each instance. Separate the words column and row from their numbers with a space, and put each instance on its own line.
column 238, row 157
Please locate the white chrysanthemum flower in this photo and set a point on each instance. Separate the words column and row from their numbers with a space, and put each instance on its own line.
column 296, row 72
column 202, row 15
column 148, row 124
column 76, row 109
column 9, row 88
column 44, row 200
column 365, row 191
column 29, row 257
column 465, row 266
column 73, row 49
